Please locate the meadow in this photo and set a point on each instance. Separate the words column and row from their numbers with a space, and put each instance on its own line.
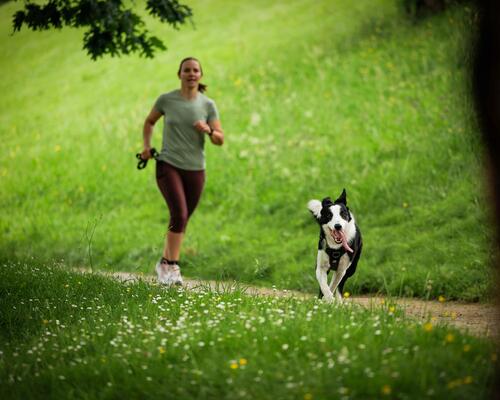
column 313, row 99
column 65, row 335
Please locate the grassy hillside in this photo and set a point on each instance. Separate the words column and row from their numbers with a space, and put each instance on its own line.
column 312, row 100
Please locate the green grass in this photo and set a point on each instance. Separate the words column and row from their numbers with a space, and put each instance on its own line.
column 312, row 99
column 67, row 335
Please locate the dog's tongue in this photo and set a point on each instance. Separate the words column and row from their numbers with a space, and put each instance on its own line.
column 345, row 245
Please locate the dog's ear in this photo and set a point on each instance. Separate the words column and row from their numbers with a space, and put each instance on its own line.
column 326, row 202
column 349, row 215
column 342, row 199
column 315, row 207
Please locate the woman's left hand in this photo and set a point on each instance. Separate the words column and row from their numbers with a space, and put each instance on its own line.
column 202, row 127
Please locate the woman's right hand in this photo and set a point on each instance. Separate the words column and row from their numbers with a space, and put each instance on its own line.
column 146, row 153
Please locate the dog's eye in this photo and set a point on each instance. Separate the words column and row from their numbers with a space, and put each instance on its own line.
column 326, row 216
column 344, row 214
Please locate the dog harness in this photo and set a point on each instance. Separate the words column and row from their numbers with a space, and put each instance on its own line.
column 334, row 256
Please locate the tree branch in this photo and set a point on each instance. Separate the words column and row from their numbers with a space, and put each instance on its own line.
column 111, row 28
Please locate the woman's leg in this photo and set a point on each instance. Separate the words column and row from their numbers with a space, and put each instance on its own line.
column 181, row 190
column 171, row 186
column 193, row 182
column 172, row 248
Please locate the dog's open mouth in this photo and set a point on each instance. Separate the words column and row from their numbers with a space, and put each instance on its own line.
column 339, row 238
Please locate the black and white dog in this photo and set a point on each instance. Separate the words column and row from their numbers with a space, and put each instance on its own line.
column 339, row 246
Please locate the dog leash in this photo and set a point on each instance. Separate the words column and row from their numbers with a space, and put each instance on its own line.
column 142, row 162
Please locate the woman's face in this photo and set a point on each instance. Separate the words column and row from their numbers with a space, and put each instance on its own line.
column 190, row 74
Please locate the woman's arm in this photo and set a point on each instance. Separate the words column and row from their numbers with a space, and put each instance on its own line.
column 147, row 132
column 213, row 129
column 217, row 136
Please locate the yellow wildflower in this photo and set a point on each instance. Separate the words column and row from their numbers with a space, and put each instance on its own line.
column 243, row 361
column 441, row 299
column 308, row 396
column 428, row 327
column 346, row 295
column 454, row 384
column 449, row 338
column 386, row 390
column 233, row 365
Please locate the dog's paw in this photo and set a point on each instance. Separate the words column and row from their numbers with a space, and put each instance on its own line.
column 329, row 298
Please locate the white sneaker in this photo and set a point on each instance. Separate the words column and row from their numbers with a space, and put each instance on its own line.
column 175, row 274
column 163, row 273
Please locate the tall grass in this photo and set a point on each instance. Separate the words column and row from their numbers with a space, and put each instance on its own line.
column 66, row 335
column 312, row 99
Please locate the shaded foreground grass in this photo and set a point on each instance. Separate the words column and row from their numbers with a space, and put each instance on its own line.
column 66, row 335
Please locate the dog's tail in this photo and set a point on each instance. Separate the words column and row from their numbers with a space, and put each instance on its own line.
column 315, row 207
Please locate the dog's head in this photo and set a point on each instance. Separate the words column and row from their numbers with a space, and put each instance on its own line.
column 333, row 217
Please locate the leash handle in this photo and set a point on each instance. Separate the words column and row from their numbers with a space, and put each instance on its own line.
column 142, row 162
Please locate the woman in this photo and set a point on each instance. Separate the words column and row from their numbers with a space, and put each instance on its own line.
column 189, row 118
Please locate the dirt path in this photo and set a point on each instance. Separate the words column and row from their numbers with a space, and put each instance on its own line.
column 476, row 319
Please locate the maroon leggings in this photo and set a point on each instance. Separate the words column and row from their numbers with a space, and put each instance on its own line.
column 181, row 190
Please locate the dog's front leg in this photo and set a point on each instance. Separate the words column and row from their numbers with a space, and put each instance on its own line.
column 344, row 263
column 322, row 267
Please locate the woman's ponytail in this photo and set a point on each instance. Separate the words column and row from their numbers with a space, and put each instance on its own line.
column 202, row 87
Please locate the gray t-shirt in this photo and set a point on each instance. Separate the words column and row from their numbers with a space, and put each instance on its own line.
column 183, row 146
